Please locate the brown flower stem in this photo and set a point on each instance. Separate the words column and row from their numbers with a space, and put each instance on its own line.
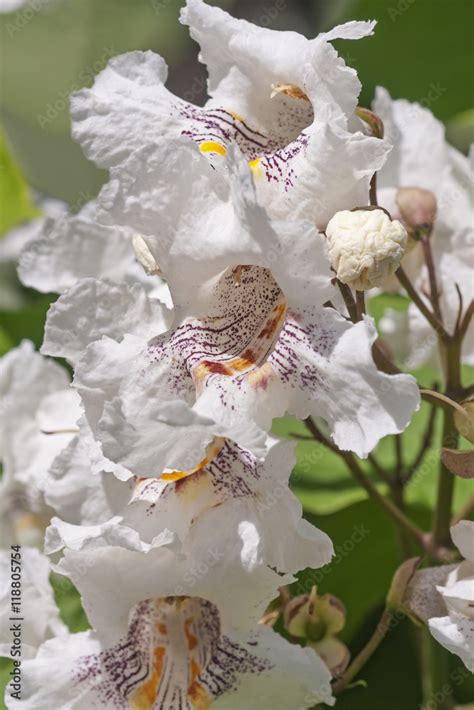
column 434, row 292
column 360, row 305
column 373, row 191
column 418, row 301
column 382, row 361
column 352, row 464
column 348, row 298
column 398, row 455
column 426, row 442
column 381, row 473
column 383, row 627
column 465, row 322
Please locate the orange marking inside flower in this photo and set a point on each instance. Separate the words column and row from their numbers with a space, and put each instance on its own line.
column 211, row 452
column 259, row 377
column 145, row 695
column 272, row 325
column 191, row 639
column 178, row 475
column 212, row 147
column 196, row 693
column 162, row 628
column 249, row 358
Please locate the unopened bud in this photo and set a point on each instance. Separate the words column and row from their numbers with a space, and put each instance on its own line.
column 365, row 246
column 317, row 620
column 374, row 122
column 418, row 210
column 400, row 582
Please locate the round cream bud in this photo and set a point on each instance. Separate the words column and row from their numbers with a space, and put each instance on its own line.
column 365, row 247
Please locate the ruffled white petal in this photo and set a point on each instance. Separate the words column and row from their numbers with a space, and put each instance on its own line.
column 13, row 242
column 79, row 494
column 462, row 534
column 48, row 681
column 93, row 309
column 37, row 614
column 456, row 635
column 26, row 379
column 74, row 248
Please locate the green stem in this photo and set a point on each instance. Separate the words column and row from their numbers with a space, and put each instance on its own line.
column 436, row 683
column 450, row 352
column 370, row 647
column 416, row 298
column 390, row 508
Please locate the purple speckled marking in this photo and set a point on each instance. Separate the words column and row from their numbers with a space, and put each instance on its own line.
column 115, row 674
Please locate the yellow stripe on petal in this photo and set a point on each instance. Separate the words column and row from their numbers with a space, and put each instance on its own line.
column 255, row 167
column 212, row 147
column 237, row 116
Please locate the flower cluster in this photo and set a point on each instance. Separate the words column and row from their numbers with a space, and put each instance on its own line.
column 199, row 300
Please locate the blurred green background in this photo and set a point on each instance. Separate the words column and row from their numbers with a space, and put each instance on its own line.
column 422, row 50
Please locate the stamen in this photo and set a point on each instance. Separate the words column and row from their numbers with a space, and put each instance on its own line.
column 237, row 275
column 289, row 90
column 60, row 431
column 144, row 256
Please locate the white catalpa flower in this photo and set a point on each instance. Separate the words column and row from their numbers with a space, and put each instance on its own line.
column 248, row 342
column 39, row 615
column 421, row 158
column 177, row 652
column 456, row 630
column 38, row 414
column 167, row 633
column 285, row 101
column 365, row 247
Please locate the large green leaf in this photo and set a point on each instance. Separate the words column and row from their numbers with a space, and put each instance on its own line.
column 422, row 50
column 16, row 204
column 27, row 322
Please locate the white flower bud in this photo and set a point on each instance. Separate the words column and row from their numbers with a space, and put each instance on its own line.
column 365, row 247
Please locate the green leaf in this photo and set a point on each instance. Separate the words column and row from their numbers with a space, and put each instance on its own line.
column 27, row 322
column 460, row 130
column 69, row 602
column 421, row 50
column 16, row 204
